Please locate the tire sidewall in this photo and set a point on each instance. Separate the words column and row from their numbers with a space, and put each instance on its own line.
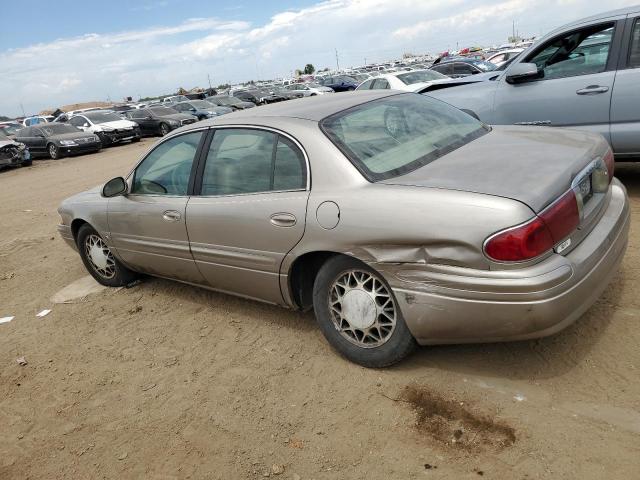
column 55, row 156
column 123, row 275
column 164, row 129
column 392, row 351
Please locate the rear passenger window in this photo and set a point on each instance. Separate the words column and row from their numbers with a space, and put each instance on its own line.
column 634, row 54
column 289, row 169
column 242, row 161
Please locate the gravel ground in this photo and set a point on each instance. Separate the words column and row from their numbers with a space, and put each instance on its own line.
column 164, row 381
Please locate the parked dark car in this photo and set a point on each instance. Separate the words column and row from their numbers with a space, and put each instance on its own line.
column 201, row 109
column 246, row 96
column 228, row 101
column 463, row 67
column 12, row 153
column 339, row 83
column 57, row 140
column 159, row 120
column 286, row 94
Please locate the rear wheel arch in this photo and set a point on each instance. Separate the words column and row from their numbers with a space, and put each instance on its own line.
column 303, row 273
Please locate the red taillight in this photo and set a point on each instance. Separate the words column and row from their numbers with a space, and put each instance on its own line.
column 537, row 236
column 610, row 162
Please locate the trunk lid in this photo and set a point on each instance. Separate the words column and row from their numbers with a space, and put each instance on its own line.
column 533, row 165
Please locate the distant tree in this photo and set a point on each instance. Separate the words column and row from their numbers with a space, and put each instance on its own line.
column 182, row 91
column 309, row 69
column 298, row 72
column 3, row 118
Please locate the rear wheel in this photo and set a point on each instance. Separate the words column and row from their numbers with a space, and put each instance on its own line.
column 358, row 314
column 54, row 151
column 100, row 261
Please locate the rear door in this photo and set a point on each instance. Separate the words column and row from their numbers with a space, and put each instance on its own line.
column 250, row 212
column 578, row 69
column 625, row 102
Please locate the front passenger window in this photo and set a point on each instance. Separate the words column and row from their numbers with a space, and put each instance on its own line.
column 166, row 170
column 634, row 54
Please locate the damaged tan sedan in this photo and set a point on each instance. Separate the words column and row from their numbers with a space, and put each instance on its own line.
column 399, row 219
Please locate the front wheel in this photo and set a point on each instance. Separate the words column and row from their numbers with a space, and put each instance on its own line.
column 100, row 261
column 164, row 129
column 358, row 314
column 54, row 151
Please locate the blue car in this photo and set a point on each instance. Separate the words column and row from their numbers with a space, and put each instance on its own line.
column 340, row 83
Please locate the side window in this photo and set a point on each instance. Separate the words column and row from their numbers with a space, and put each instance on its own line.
column 582, row 52
column 380, row 84
column 78, row 121
column 139, row 113
column 462, row 69
column 166, row 170
column 289, row 171
column 634, row 54
column 366, row 85
column 444, row 69
column 498, row 58
column 250, row 161
column 25, row 132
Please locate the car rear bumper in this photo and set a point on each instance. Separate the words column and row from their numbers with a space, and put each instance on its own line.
column 457, row 305
column 67, row 236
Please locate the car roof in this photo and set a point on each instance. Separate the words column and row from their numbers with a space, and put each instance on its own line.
column 309, row 108
column 602, row 16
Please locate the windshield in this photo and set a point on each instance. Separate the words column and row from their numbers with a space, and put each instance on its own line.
column 394, row 135
column 102, row 117
column 58, row 129
column 162, row 111
column 420, row 76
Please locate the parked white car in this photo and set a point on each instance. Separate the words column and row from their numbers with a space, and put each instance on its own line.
column 500, row 58
column 108, row 126
column 30, row 121
column 309, row 89
column 417, row 81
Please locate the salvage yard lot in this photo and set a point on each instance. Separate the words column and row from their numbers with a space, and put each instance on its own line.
column 166, row 381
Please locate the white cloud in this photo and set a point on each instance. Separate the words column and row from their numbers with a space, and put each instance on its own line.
column 160, row 59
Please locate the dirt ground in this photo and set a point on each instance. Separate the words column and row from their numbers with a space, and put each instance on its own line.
column 166, row 381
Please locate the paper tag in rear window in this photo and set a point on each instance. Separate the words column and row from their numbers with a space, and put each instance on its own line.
column 563, row 246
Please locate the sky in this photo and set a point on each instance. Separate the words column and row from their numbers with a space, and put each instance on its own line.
column 62, row 52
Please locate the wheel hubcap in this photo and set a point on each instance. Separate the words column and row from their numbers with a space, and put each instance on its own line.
column 100, row 256
column 362, row 309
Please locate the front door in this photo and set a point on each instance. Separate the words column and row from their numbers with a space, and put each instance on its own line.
column 147, row 226
column 575, row 87
column 251, row 211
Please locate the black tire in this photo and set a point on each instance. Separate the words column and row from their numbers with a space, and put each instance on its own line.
column 120, row 276
column 53, row 151
column 104, row 140
column 164, row 129
column 398, row 342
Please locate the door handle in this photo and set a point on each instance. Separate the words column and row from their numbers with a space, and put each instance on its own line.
column 592, row 90
column 283, row 219
column 171, row 216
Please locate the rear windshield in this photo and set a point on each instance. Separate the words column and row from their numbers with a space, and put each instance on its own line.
column 395, row 135
column 162, row 111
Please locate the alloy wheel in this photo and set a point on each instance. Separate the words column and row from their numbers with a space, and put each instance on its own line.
column 53, row 151
column 362, row 308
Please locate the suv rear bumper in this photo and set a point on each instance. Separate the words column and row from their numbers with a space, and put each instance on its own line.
column 457, row 305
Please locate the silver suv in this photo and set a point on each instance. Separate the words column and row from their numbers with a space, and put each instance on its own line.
column 584, row 75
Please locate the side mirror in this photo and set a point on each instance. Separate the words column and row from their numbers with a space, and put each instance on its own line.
column 522, row 72
column 114, row 187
